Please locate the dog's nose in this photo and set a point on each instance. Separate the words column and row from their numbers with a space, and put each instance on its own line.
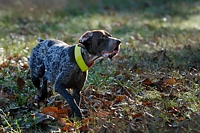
column 118, row 42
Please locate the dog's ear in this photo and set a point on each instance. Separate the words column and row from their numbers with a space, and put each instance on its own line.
column 108, row 34
column 85, row 36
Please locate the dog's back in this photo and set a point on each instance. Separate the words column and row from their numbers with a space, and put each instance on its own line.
column 38, row 54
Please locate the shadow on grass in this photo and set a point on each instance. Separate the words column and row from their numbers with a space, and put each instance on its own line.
column 166, row 48
column 152, row 9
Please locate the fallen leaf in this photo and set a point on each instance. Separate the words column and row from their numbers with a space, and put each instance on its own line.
column 88, row 120
column 52, row 111
column 120, row 98
column 84, row 128
column 137, row 115
column 147, row 82
column 181, row 119
column 62, row 111
column 170, row 81
column 65, row 128
column 49, row 109
column 106, row 103
column 20, row 83
column 147, row 103
column 62, row 121
column 25, row 65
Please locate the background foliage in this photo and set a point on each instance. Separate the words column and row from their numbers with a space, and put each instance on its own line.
column 151, row 86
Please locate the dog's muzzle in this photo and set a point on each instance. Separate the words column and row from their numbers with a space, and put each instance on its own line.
column 113, row 53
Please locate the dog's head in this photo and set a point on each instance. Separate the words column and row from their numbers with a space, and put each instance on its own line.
column 100, row 43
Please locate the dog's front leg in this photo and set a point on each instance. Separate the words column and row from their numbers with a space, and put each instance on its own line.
column 72, row 103
column 76, row 95
column 60, row 87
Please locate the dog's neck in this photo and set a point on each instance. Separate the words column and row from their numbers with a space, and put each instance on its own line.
column 87, row 57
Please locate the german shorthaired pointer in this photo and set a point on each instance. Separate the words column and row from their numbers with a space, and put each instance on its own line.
column 66, row 65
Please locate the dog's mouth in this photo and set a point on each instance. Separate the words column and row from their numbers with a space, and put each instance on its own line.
column 111, row 54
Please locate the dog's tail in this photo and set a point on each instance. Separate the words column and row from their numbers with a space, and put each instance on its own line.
column 40, row 40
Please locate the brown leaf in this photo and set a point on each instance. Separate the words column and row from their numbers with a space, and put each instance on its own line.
column 120, row 98
column 88, row 120
column 84, row 128
column 137, row 115
column 181, row 119
column 20, row 83
column 25, row 66
column 147, row 82
column 170, row 81
column 62, row 112
column 52, row 111
column 49, row 109
column 55, row 111
column 62, row 121
column 66, row 128
column 147, row 103
column 106, row 103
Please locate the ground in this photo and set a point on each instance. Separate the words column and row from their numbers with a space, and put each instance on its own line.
column 151, row 86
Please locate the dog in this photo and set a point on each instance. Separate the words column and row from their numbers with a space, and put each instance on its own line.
column 66, row 66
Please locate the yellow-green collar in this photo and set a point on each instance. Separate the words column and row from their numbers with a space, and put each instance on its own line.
column 79, row 59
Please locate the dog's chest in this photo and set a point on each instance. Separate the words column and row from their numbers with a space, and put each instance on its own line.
column 60, row 61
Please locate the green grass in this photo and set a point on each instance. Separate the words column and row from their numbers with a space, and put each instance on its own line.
column 160, row 40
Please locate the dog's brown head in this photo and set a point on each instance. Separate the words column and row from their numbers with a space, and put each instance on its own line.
column 100, row 43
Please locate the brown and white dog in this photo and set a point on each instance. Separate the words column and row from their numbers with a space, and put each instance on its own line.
column 55, row 61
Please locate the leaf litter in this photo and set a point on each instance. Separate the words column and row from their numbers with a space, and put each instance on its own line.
column 108, row 109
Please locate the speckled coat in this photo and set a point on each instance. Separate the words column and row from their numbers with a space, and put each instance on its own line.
column 53, row 60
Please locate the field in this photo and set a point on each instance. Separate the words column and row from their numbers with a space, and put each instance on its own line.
column 152, row 85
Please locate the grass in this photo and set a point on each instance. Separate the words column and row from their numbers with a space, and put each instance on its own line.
column 160, row 44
